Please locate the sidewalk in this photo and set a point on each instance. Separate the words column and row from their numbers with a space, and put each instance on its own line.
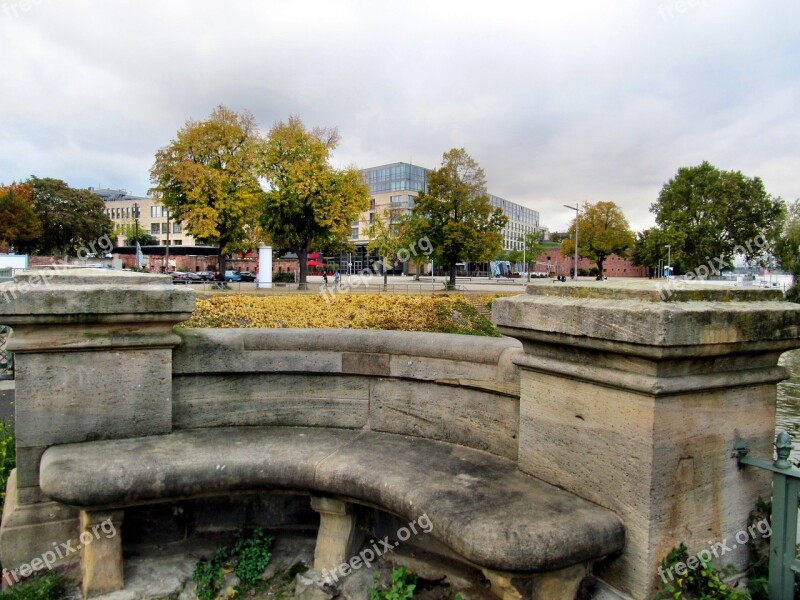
column 6, row 401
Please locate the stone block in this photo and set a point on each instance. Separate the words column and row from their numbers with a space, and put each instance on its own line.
column 474, row 418
column 270, row 399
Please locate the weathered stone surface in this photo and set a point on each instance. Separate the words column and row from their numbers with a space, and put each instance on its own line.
column 130, row 393
column 415, row 355
column 270, row 399
column 473, row 418
column 659, row 393
column 625, row 322
column 31, row 530
column 479, row 504
column 67, row 296
column 101, row 552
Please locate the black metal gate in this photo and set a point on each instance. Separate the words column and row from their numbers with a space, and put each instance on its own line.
column 6, row 357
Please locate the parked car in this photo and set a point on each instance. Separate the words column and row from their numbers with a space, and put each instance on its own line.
column 207, row 275
column 247, row 275
column 185, row 277
column 232, row 276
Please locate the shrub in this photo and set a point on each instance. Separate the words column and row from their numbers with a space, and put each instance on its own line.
column 47, row 587
column 8, row 457
column 250, row 555
column 283, row 277
column 402, row 588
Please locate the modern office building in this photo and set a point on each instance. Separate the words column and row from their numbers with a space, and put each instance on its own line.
column 153, row 218
column 393, row 189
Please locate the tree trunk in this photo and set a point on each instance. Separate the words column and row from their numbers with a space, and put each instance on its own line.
column 220, row 263
column 385, row 274
column 302, row 256
column 452, row 283
column 600, row 262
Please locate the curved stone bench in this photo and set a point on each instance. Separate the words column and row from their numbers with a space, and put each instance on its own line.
column 480, row 505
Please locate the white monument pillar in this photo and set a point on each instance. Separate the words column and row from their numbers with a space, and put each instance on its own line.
column 264, row 267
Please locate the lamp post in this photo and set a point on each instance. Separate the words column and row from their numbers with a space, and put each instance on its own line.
column 669, row 258
column 577, row 210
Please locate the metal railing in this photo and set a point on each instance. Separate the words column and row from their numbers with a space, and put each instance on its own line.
column 783, row 563
column 6, row 357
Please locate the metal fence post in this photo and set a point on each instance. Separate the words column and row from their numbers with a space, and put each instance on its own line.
column 783, row 563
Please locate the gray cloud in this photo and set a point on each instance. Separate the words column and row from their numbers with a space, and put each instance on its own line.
column 559, row 102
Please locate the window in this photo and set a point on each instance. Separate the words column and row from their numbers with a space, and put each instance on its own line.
column 155, row 228
column 165, row 228
column 354, row 232
column 155, row 212
column 164, row 211
column 372, row 204
column 396, row 200
column 177, row 227
column 411, row 201
column 177, row 243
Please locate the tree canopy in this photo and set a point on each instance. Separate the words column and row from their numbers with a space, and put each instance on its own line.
column 455, row 214
column 650, row 248
column 714, row 214
column 309, row 203
column 208, row 176
column 71, row 219
column 603, row 230
column 19, row 221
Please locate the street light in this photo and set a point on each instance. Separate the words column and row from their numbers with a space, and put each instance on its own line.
column 669, row 258
column 577, row 210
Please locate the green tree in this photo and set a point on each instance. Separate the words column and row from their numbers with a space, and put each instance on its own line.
column 208, row 177
column 533, row 248
column 603, row 230
column 455, row 214
column 144, row 238
column 386, row 239
column 71, row 219
column 788, row 249
column 19, row 221
column 716, row 213
column 650, row 248
column 309, row 202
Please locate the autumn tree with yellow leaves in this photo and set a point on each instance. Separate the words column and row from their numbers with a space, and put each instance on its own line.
column 309, row 203
column 603, row 231
column 208, row 176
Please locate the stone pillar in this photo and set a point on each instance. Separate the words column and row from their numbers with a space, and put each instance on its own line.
column 634, row 399
column 338, row 538
column 93, row 361
column 101, row 552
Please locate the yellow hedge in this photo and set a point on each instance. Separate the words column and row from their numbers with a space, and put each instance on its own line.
column 450, row 313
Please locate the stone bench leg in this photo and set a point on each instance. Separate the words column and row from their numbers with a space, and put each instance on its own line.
column 552, row 585
column 339, row 536
column 101, row 552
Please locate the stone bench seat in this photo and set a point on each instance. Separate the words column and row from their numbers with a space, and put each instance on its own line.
column 480, row 505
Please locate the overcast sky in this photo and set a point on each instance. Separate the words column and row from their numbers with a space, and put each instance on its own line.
column 558, row 101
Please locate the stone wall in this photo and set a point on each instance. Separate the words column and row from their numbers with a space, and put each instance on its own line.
column 452, row 388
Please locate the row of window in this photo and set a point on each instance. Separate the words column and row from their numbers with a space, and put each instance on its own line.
column 156, row 228
column 127, row 212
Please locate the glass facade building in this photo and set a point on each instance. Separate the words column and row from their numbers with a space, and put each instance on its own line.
column 386, row 181
column 396, row 177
